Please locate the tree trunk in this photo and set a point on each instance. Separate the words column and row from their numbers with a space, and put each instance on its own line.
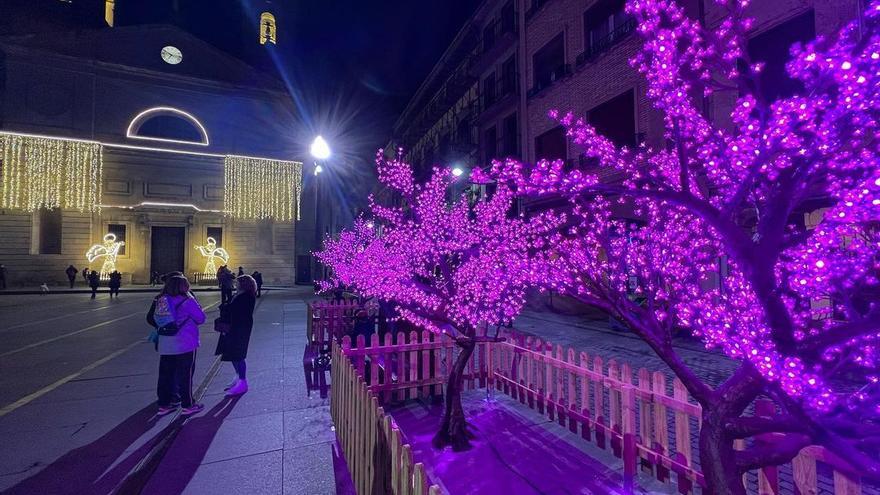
column 453, row 429
column 717, row 458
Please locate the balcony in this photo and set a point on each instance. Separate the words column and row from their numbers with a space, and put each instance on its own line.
column 498, row 36
column 498, row 97
column 548, row 80
column 604, row 44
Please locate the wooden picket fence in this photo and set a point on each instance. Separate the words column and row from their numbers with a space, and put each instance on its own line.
column 648, row 422
column 327, row 320
column 379, row 460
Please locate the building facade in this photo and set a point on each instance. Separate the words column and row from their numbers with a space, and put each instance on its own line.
column 151, row 135
column 528, row 57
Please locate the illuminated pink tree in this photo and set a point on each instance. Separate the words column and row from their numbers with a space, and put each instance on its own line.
column 716, row 242
column 448, row 268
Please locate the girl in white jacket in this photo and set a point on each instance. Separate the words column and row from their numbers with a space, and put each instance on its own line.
column 177, row 352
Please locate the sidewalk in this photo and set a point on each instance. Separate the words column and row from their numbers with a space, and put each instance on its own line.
column 274, row 439
column 99, row 432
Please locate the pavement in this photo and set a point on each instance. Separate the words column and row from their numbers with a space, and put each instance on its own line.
column 77, row 405
column 81, row 288
column 599, row 337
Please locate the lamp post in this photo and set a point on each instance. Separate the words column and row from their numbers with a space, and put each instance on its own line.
column 320, row 151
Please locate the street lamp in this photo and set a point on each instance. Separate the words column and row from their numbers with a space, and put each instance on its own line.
column 457, row 171
column 320, row 149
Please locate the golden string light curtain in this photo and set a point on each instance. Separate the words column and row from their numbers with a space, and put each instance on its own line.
column 257, row 188
column 38, row 172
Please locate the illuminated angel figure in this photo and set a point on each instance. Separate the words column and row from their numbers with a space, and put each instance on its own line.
column 211, row 251
column 109, row 250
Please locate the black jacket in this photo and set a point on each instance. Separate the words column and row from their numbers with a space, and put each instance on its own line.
column 239, row 313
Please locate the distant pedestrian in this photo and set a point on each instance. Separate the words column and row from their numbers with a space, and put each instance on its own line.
column 177, row 317
column 44, row 289
column 2, row 276
column 227, row 284
column 115, row 283
column 240, row 271
column 85, row 274
column 154, row 278
column 71, row 272
column 94, row 282
column 364, row 325
column 236, row 322
column 258, row 277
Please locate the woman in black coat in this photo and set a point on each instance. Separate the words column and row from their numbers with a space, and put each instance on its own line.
column 233, row 345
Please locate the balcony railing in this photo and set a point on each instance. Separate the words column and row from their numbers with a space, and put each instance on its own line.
column 603, row 44
column 500, row 89
column 545, row 82
column 497, row 28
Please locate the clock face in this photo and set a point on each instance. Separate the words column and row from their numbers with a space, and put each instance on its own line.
column 172, row 55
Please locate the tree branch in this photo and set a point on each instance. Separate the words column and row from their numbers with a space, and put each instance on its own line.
column 749, row 426
column 783, row 449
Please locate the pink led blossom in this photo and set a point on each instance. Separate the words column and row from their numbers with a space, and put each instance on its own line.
column 449, row 268
column 710, row 234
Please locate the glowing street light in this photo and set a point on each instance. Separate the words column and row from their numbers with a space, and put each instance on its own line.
column 320, row 149
column 457, row 171
column 318, row 169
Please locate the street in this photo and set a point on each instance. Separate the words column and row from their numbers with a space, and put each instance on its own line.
column 77, row 404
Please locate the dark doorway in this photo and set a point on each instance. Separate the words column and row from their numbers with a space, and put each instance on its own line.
column 166, row 249
column 304, row 269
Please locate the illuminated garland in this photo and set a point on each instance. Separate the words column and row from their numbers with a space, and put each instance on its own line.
column 40, row 172
column 257, row 188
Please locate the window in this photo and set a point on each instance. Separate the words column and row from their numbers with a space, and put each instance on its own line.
column 615, row 119
column 605, row 24
column 49, row 231
column 118, row 229
column 490, row 144
column 109, row 8
column 551, row 145
column 489, row 95
column 217, row 234
column 167, row 124
column 508, row 18
column 509, row 136
column 488, row 37
column 268, row 28
column 508, row 75
column 549, row 63
column 772, row 48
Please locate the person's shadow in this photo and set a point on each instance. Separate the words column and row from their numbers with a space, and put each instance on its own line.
column 87, row 469
column 184, row 456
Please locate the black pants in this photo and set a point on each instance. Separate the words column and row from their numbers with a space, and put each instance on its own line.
column 114, row 290
column 176, row 375
column 94, row 292
column 225, row 295
column 259, row 290
column 72, row 280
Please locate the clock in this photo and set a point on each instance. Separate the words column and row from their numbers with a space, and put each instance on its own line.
column 172, row 55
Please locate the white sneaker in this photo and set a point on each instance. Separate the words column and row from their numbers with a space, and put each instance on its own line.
column 231, row 384
column 239, row 388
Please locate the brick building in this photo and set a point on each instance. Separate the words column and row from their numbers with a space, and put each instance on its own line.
column 531, row 56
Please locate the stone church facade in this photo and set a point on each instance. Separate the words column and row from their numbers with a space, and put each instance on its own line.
column 166, row 115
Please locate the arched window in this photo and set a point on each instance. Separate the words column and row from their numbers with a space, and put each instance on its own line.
column 267, row 28
column 167, row 124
